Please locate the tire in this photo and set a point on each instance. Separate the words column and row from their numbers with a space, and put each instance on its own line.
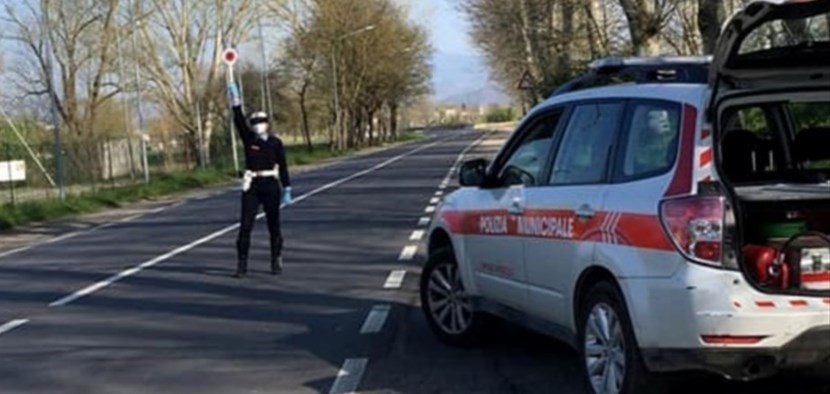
column 605, row 300
column 454, row 321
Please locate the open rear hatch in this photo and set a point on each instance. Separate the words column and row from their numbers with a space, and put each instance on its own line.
column 770, row 112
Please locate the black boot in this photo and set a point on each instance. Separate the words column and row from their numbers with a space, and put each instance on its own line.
column 276, row 256
column 242, row 258
column 241, row 268
column 276, row 266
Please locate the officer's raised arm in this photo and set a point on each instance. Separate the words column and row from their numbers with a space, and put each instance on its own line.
column 239, row 118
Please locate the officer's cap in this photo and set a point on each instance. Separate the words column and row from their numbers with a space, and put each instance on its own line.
column 258, row 117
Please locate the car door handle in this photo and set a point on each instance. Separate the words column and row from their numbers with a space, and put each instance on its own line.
column 585, row 212
column 516, row 207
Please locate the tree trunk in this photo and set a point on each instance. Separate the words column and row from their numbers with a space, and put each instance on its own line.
column 567, row 38
column 371, row 116
column 393, row 121
column 710, row 17
column 530, row 60
column 304, row 115
column 644, row 23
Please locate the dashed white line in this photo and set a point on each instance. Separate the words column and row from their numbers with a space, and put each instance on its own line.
column 349, row 375
column 375, row 319
column 417, row 235
column 434, row 200
column 12, row 325
column 395, row 279
column 149, row 263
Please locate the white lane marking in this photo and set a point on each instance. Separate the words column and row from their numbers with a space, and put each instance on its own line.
column 361, row 173
column 349, row 375
column 408, row 252
column 149, row 263
column 434, row 200
column 442, row 186
column 375, row 319
column 429, row 209
column 417, row 235
column 61, row 237
column 13, row 251
column 424, row 221
column 395, row 279
column 12, row 325
column 439, row 193
column 466, row 150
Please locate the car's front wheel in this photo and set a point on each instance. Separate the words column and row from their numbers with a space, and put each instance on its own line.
column 611, row 361
column 445, row 303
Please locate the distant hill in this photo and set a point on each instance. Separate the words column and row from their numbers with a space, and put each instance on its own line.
column 490, row 94
column 463, row 79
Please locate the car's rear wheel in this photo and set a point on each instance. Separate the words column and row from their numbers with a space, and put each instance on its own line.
column 445, row 303
column 611, row 361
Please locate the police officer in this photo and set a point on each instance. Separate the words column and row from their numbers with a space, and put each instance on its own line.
column 265, row 181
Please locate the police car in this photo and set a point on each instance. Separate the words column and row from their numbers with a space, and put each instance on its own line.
column 658, row 214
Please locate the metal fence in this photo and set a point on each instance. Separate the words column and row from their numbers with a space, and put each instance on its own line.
column 90, row 162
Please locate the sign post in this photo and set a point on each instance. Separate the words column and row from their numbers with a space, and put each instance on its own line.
column 229, row 56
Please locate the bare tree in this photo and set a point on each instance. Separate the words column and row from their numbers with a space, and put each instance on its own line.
column 646, row 19
column 547, row 40
column 180, row 48
column 78, row 37
column 302, row 58
column 73, row 43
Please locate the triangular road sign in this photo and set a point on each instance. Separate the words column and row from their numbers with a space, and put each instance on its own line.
column 526, row 83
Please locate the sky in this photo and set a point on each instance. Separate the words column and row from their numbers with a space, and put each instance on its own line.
column 459, row 72
column 447, row 26
column 458, row 69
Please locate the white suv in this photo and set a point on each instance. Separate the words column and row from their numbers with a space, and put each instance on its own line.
column 659, row 215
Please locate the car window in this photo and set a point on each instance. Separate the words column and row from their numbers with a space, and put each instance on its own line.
column 751, row 145
column 651, row 141
column 812, row 134
column 526, row 163
column 582, row 157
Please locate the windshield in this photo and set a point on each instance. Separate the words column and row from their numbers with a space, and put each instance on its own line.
column 779, row 34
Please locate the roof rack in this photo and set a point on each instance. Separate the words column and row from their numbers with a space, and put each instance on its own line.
column 617, row 70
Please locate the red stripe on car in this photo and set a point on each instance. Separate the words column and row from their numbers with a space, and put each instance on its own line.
column 706, row 158
column 621, row 228
column 682, row 182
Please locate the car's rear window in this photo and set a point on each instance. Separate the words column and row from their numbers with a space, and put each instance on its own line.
column 812, row 134
column 783, row 34
column 754, row 147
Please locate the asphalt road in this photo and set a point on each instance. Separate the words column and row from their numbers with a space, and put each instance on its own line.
column 147, row 305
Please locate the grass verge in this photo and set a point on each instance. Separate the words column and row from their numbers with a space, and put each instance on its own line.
column 12, row 216
column 21, row 214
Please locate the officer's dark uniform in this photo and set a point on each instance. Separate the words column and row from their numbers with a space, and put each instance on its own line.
column 260, row 155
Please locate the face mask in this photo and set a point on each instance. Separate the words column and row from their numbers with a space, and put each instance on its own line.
column 261, row 129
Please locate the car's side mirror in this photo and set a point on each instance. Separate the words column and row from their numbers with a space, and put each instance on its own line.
column 473, row 172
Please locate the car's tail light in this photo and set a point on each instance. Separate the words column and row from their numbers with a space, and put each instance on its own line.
column 695, row 227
